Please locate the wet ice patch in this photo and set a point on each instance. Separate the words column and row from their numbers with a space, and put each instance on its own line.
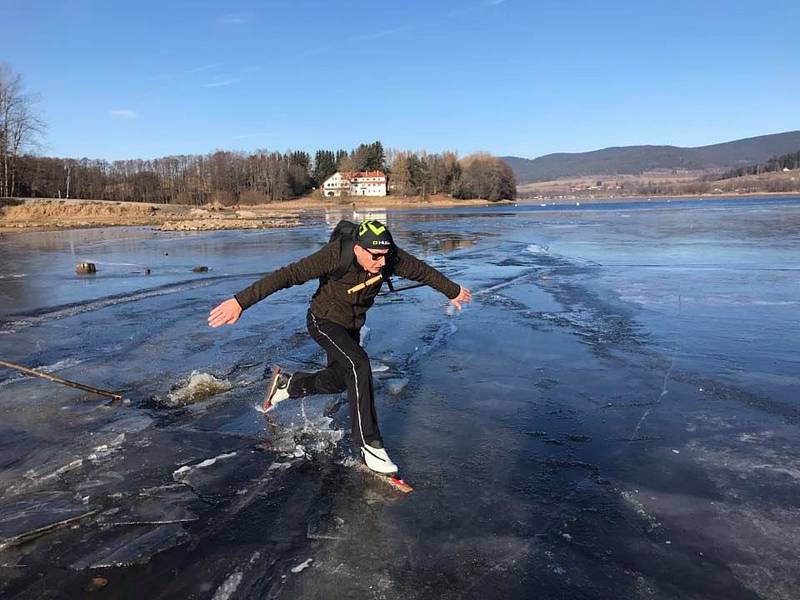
column 133, row 547
column 71, row 310
column 433, row 339
column 38, row 514
column 758, row 457
column 131, row 424
column 48, row 471
column 198, row 387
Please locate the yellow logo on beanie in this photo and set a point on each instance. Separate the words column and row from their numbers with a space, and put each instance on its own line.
column 377, row 230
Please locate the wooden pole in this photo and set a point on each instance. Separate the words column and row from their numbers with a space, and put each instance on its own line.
column 368, row 282
column 80, row 386
column 409, row 287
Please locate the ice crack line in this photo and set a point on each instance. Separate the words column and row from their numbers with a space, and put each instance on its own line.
column 667, row 375
column 504, row 284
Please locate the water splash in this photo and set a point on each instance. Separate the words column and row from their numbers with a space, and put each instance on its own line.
column 315, row 436
column 198, row 387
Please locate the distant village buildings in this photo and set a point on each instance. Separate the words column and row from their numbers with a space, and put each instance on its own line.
column 355, row 183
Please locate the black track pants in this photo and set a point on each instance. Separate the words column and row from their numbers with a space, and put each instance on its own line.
column 348, row 369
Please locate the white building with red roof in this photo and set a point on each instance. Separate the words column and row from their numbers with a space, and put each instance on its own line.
column 355, row 183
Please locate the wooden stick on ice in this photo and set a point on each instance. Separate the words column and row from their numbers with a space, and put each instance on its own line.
column 49, row 377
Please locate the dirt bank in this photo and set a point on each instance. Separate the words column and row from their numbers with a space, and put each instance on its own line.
column 66, row 214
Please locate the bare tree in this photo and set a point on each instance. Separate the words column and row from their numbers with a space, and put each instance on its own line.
column 20, row 126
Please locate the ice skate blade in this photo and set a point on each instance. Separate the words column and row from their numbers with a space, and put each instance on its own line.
column 390, row 479
column 273, row 382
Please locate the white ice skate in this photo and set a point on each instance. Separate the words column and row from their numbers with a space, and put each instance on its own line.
column 377, row 460
column 278, row 389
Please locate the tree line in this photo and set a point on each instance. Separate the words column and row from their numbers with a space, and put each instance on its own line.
column 777, row 163
column 223, row 176
column 253, row 178
column 20, row 127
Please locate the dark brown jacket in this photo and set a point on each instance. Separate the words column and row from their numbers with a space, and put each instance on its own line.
column 331, row 300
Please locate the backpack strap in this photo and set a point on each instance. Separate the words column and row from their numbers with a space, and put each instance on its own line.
column 346, row 256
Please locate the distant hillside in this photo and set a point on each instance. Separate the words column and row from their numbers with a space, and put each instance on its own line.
column 634, row 160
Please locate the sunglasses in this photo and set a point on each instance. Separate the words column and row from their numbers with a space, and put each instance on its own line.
column 376, row 256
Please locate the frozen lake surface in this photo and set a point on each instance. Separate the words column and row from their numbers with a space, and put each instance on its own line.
column 616, row 414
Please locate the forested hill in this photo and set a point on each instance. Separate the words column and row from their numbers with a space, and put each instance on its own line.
column 633, row 160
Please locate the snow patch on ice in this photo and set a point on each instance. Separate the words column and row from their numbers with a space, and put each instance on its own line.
column 630, row 498
column 303, row 565
column 104, row 450
column 180, row 473
column 227, row 589
column 537, row 249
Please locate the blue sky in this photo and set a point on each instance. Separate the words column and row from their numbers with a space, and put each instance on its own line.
column 512, row 77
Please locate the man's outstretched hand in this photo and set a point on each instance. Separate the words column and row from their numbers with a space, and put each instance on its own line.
column 464, row 296
column 226, row 313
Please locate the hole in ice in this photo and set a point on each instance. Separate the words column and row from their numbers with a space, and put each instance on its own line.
column 198, row 387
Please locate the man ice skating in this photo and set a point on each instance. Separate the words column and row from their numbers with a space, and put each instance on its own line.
column 351, row 269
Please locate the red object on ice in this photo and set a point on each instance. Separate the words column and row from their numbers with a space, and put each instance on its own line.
column 399, row 484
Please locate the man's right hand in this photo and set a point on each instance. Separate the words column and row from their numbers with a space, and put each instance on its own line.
column 464, row 297
column 226, row 313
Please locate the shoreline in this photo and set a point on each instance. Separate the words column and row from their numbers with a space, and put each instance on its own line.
column 53, row 214
column 655, row 198
column 48, row 214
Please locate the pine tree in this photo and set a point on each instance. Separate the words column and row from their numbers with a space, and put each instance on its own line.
column 324, row 166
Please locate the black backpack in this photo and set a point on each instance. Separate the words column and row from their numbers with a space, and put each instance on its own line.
column 345, row 232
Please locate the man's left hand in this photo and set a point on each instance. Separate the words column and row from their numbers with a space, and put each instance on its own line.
column 464, row 296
